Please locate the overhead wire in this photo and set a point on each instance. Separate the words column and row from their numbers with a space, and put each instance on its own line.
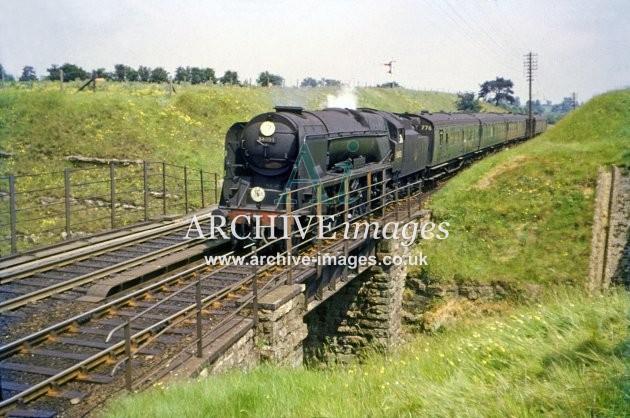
column 482, row 46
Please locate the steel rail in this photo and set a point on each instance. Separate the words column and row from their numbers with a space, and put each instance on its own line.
column 59, row 259
column 147, row 334
column 13, row 347
column 23, row 300
column 104, row 355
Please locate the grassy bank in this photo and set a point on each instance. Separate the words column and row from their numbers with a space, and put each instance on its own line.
column 525, row 214
column 41, row 126
column 565, row 357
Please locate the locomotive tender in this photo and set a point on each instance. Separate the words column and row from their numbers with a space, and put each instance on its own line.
column 285, row 150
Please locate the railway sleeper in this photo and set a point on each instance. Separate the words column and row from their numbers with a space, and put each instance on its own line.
column 50, row 371
column 21, row 387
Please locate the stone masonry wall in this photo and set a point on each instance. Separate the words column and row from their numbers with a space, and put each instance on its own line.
column 281, row 327
column 364, row 315
column 242, row 355
column 277, row 339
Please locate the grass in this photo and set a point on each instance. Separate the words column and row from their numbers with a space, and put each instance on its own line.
column 565, row 357
column 525, row 214
column 40, row 126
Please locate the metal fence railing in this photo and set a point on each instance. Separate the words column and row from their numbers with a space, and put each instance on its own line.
column 45, row 208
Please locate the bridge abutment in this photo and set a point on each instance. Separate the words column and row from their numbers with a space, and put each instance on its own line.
column 281, row 327
column 363, row 316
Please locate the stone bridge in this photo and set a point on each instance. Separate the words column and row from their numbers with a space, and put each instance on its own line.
column 328, row 313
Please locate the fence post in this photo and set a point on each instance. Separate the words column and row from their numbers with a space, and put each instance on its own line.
column 346, row 214
column 12, row 214
column 383, row 185
column 409, row 202
column 216, row 188
column 369, row 197
column 199, row 328
column 164, row 187
column 319, row 292
column 186, row 189
column 112, row 188
column 396, row 201
column 321, row 227
column 203, row 197
column 255, row 290
column 128, row 370
column 145, row 175
column 66, row 178
column 289, row 235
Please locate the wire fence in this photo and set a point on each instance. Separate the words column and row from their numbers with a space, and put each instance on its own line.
column 40, row 209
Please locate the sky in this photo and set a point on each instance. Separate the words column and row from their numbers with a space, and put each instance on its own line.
column 582, row 47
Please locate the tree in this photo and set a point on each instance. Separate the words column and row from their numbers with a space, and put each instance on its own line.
column 498, row 91
column 230, row 77
column 536, row 107
column 132, row 74
column 182, row 74
column 28, row 74
column 144, row 74
column 209, row 75
column 202, row 75
column 564, row 107
column 124, row 73
column 389, row 85
column 4, row 76
column 159, row 75
column 70, row 72
column 266, row 79
column 466, row 102
column 103, row 73
column 328, row 82
column 53, row 72
column 309, row 82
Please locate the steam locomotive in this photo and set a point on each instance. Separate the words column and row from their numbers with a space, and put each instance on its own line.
column 279, row 152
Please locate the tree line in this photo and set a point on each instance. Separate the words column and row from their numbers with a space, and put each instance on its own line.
column 125, row 73
column 500, row 92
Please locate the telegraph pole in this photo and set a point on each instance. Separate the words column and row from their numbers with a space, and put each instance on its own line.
column 531, row 65
column 574, row 100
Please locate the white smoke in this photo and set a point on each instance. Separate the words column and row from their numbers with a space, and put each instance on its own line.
column 346, row 98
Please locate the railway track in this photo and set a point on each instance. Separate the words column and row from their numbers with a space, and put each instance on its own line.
column 84, row 358
column 75, row 272
column 82, row 348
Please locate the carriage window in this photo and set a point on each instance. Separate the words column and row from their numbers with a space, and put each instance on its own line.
column 441, row 135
